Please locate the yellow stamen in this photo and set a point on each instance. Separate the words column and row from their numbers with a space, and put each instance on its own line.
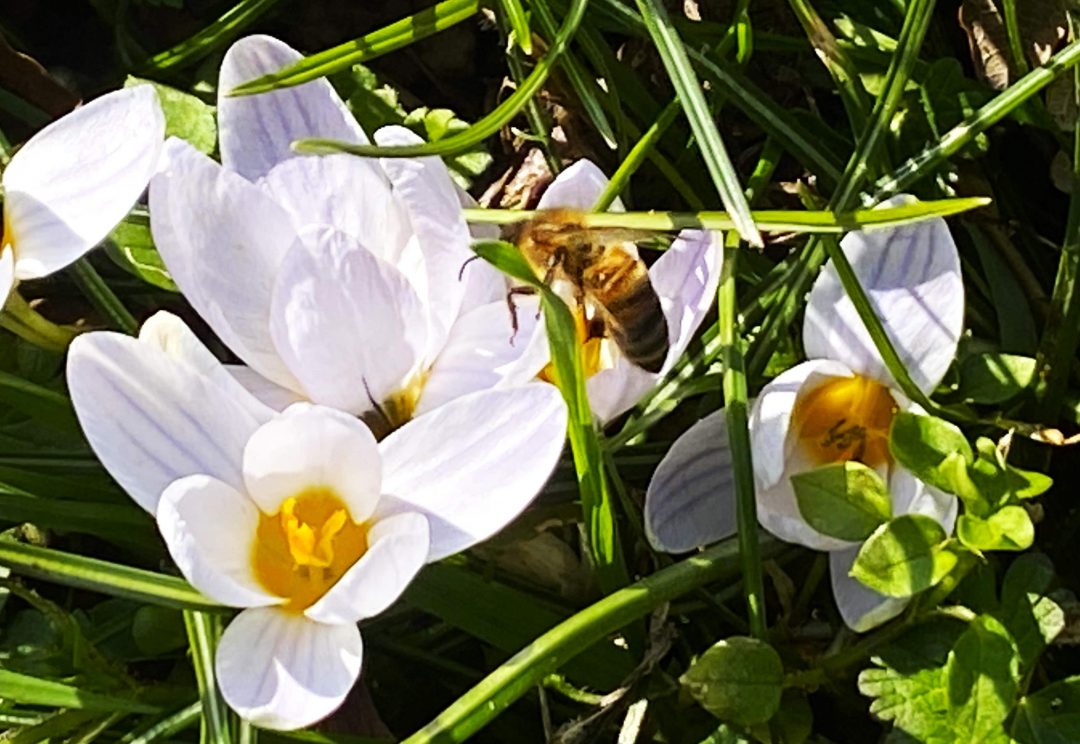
column 847, row 418
column 590, row 349
column 304, row 549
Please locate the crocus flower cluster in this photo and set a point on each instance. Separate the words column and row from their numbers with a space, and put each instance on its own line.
column 390, row 409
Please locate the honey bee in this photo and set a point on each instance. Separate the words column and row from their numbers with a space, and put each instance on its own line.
column 597, row 264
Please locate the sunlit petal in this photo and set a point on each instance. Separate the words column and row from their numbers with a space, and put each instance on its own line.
column 350, row 327
column 152, row 419
column 256, row 132
column 685, row 279
column 313, row 447
column 473, row 465
column 209, row 528
column 912, row 277
column 223, row 241
column 281, row 670
column 398, row 549
column 67, row 187
column 577, row 187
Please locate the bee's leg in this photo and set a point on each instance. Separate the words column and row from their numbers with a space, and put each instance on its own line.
column 461, row 271
column 511, row 293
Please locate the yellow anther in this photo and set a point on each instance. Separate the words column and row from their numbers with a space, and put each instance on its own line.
column 847, row 418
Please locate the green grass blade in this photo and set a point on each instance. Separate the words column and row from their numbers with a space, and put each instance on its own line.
column 166, row 727
column 583, row 85
column 596, row 500
column 102, row 576
column 103, row 298
column 45, row 405
column 989, row 114
column 637, row 155
column 29, row 690
column 216, row 35
column 203, row 632
column 519, row 23
column 480, row 130
column 492, row 695
column 692, row 98
column 768, row 220
column 369, row 46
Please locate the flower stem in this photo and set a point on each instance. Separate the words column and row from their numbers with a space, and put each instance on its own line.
column 27, row 323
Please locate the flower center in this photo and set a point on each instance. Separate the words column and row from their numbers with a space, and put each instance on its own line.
column 590, row 336
column 303, row 550
column 847, row 418
column 397, row 410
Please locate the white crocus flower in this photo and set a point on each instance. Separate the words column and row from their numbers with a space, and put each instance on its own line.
column 836, row 406
column 338, row 280
column 300, row 517
column 684, row 278
column 73, row 181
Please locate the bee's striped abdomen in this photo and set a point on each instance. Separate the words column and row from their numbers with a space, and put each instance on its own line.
column 632, row 309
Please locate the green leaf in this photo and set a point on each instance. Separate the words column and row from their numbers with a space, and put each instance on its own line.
column 983, row 673
column 186, row 116
column 1027, row 484
column 738, row 680
column 28, row 690
column 994, row 377
column 131, row 246
column 1009, row 528
column 846, row 500
column 1033, row 618
column 904, row 556
column 1050, row 716
column 927, row 446
column 518, row 22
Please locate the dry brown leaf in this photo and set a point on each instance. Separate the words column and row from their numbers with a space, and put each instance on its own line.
column 1043, row 25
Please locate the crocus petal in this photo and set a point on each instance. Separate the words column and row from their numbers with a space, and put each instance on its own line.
column 152, row 419
column 911, row 496
column 223, row 241
column 691, row 497
column 860, row 606
column 342, row 191
column 912, row 277
column 776, row 458
column 473, row 465
column 165, row 331
column 266, row 392
column 685, row 280
column 311, row 446
column 209, row 528
column 349, row 325
column 617, row 389
column 7, row 273
column 577, row 187
column 425, row 188
column 770, row 417
column 280, row 670
column 482, row 351
column 257, row 132
column 397, row 550
column 77, row 178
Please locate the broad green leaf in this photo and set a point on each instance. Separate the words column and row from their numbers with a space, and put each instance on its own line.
column 23, row 688
column 794, row 720
column 927, row 446
column 1027, row 484
column 1033, row 618
column 1009, row 528
column 131, row 246
column 846, row 500
column 738, row 680
column 186, row 116
column 904, row 556
column 1049, row 716
column 994, row 377
column 983, row 672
